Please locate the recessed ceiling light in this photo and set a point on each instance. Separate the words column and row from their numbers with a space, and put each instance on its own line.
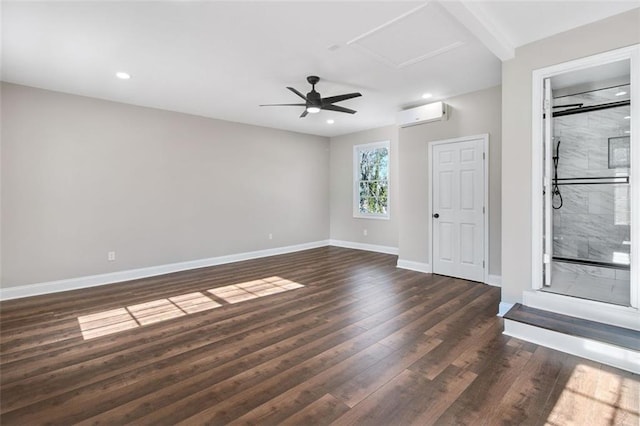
column 426, row 95
column 628, row 117
column 330, row 121
column 123, row 75
column 621, row 93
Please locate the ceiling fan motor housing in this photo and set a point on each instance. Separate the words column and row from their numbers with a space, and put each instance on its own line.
column 313, row 98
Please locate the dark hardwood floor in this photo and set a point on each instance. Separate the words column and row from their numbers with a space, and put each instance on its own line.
column 324, row 336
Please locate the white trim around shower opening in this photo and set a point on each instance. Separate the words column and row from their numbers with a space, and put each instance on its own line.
column 574, row 306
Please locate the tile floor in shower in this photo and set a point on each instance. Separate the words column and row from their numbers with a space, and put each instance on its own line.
column 590, row 282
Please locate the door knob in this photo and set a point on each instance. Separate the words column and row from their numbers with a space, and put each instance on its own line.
column 436, row 215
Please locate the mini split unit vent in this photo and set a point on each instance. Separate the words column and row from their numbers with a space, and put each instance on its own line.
column 436, row 111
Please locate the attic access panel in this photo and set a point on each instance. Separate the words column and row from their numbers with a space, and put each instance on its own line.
column 422, row 33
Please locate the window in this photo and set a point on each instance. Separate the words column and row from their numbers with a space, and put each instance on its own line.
column 371, row 180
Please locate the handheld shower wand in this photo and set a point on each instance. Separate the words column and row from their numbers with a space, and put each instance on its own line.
column 555, row 189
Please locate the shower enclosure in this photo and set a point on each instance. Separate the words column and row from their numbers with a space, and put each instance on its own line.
column 586, row 190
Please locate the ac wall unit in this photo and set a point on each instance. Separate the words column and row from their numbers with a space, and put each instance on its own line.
column 436, row 111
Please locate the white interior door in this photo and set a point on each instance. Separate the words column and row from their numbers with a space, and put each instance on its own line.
column 458, row 209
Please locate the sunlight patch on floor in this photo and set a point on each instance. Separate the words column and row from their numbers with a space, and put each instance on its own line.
column 253, row 289
column 108, row 322
column 595, row 396
column 120, row 319
column 126, row 318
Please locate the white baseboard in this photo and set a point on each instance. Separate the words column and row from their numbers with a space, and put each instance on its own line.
column 132, row 274
column 363, row 246
column 504, row 307
column 606, row 313
column 414, row 266
column 494, row 280
column 616, row 356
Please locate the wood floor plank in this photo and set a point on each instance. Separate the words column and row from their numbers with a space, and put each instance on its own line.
column 285, row 404
column 358, row 341
column 526, row 398
column 213, row 323
column 497, row 366
column 321, row 412
column 113, row 363
column 474, row 300
column 436, row 361
column 190, row 368
column 409, row 398
column 364, row 384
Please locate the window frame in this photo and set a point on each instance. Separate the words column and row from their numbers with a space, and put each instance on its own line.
column 356, row 180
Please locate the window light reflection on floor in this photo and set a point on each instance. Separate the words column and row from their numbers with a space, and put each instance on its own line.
column 608, row 403
column 252, row 289
column 121, row 319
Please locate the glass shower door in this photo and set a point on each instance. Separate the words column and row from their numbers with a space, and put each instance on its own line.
column 587, row 206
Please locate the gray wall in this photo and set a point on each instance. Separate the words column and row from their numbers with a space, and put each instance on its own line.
column 470, row 114
column 82, row 176
column 618, row 31
column 343, row 225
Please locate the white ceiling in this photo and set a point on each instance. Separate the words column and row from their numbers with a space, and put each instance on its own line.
column 223, row 59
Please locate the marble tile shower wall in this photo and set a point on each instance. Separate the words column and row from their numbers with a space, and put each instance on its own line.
column 594, row 220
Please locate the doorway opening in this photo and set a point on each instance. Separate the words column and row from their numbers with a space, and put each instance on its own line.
column 585, row 199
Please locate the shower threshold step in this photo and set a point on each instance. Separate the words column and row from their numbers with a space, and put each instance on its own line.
column 609, row 344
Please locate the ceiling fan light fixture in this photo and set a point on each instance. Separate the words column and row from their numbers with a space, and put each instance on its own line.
column 313, row 102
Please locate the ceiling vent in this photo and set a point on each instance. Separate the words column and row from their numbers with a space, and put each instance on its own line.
column 437, row 111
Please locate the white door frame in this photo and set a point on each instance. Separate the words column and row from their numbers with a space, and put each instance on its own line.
column 485, row 150
column 631, row 53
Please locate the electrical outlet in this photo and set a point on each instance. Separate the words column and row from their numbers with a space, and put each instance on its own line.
column 111, row 256
column 271, row 236
column 364, row 232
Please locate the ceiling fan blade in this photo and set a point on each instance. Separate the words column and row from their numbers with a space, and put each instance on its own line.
column 304, row 114
column 338, row 108
column 297, row 93
column 284, row 105
column 334, row 99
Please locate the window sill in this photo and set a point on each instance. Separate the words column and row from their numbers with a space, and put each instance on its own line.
column 355, row 216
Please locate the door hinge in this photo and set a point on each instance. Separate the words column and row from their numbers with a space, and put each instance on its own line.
column 482, row 209
column 483, row 264
column 484, row 156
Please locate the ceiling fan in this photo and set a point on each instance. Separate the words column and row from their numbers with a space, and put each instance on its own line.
column 314, row 102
